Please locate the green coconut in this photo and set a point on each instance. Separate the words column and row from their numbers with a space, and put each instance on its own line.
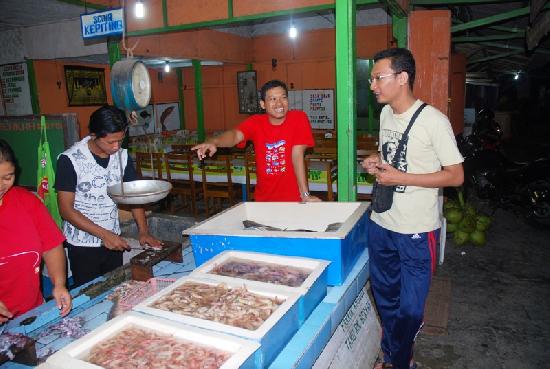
column 453, row 215
column 460, row 237
column 450, row 204
column 478, row 238
column 452, row 227
column 467, row 224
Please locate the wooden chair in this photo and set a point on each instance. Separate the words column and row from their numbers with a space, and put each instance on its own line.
column 182, row 148
column 179, row 172
column 250, row 168
column 151, row 163
column 326, row 152
column 223, row 187
column 325, row 165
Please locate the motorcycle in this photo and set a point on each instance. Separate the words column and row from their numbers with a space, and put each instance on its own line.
column 521, row 186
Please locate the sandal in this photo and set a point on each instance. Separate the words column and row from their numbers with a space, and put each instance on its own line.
column 380, row 364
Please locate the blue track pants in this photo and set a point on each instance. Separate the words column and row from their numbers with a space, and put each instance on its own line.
column 401, row 267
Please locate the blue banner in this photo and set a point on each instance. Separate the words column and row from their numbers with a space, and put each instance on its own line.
column 102, row 24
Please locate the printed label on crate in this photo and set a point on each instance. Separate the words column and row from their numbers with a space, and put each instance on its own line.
column 356, row 341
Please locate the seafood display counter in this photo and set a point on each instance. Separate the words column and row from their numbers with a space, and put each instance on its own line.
column 299, row 341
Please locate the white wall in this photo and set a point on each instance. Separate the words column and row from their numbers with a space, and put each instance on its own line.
column 47, row 41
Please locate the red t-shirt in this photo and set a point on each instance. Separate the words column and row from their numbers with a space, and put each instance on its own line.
column 276, row 180
column 26, row 231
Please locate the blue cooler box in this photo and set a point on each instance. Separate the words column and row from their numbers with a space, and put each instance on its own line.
column 225, row 231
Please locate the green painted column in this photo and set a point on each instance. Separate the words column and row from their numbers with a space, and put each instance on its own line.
column 164, row 13
column 229, row 9
column 198, row 97
column 179, row 73
column 33, row 87
column 346, row 99
column 399, row 30
column 113, row 48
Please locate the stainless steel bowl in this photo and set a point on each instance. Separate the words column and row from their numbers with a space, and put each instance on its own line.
column 139, row 192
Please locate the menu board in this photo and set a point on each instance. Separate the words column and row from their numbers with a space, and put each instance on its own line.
column 319, row 107
column 15, row 96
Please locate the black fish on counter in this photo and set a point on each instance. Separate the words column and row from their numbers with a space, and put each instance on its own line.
column 252, row 225
column 333, row 227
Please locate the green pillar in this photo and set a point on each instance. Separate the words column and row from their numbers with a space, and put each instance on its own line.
column 164, row 13
column 179, row 73
column 229, row 9
column 113, row 49
column 198, row 97
column 399, row 30
column 33, row 87
column 346, row 99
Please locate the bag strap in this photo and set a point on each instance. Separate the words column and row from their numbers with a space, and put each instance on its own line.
column 405, row 135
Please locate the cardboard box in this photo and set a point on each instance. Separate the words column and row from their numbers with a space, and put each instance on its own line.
column 356, row 342
column 225, row 231
column 243, row 352
column 273, row 334
column 311, row 291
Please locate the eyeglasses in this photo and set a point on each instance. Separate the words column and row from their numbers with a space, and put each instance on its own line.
column 381, row 77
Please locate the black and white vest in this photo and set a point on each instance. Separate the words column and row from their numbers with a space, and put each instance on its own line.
column 91, row 197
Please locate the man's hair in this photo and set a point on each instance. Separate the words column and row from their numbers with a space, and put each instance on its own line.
column 6, row 153
column 107, row 119
column 401, row 60
column 272, row 84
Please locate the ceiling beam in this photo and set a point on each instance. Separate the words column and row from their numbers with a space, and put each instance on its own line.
column 494, row 57
column 476, row 39
column 508, row 29
column 85, row 4
column 510, row 47
column 494, row 19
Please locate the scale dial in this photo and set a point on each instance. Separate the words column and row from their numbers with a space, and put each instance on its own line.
column 141, row 84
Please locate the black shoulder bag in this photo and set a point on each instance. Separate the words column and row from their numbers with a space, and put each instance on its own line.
column 382, row 196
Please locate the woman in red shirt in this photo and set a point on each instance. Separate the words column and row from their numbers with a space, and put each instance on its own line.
column 27, row 234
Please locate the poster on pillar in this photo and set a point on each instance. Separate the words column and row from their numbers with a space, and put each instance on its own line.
column 319, row 107
column 15, row 95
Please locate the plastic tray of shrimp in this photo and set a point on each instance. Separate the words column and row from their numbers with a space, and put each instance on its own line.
column 140, row 291
column 299, row 274
column 263, row 313
column 135, row 340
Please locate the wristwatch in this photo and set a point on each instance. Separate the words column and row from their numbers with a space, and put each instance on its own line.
column 305, row 194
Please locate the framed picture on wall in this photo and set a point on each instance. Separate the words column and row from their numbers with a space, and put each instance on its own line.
column 85, row 85
column 248, row 92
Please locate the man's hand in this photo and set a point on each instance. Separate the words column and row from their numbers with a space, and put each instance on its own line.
column 114, row 242
column 311, row 198
column 63, row 299
column 147, row 239
column 371, row 163
column 5, row 314
column 204, row 148
column 388, row 175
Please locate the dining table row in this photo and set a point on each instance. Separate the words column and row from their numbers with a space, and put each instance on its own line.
column 229, row 177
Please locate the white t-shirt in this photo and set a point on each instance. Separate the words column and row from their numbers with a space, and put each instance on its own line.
column 430, row 146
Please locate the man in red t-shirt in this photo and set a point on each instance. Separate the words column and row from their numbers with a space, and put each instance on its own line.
column 280, row 139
